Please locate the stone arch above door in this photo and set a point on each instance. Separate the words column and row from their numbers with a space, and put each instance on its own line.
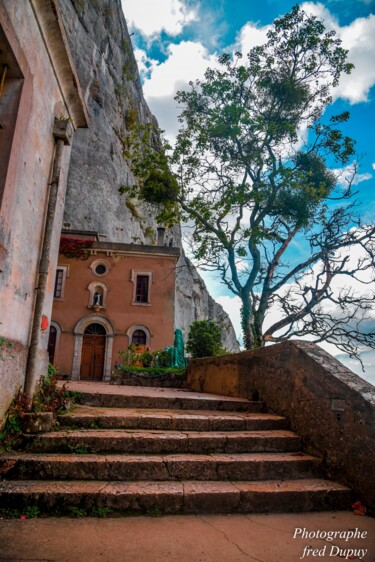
column 130, row 331
column 78, row 333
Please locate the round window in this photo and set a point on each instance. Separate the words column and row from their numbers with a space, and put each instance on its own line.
column 100, row 269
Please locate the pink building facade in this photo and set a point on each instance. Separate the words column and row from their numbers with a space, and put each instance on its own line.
column 41, row 105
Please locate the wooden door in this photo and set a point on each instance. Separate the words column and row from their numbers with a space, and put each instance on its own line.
column 93, row 352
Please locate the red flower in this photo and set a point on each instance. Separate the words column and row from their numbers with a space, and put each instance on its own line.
column 75, row 248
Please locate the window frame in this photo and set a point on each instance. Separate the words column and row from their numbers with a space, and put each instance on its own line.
column 134, row 279
column 130, row 331
column 145, row 337
column 95, row 264
column 64, row 269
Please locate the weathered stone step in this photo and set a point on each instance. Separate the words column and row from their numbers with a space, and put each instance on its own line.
column 126, row 418
column 240, row 466
column 112, row 396
column 182, row 401
column 138, row 441
column 175, row 497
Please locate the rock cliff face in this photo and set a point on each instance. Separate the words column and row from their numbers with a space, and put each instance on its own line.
column 103, row 54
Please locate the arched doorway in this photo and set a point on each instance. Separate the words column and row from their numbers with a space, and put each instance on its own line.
column 52, row 343
column 93, row 352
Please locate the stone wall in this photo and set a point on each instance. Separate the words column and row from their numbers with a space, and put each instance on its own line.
column 329, row 406
column 13, row 361
column 103, row 54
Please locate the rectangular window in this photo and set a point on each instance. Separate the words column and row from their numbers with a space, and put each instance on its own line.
column 59, row 280
column 141, row 292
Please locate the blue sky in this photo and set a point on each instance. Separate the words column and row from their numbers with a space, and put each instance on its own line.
column 175, row 41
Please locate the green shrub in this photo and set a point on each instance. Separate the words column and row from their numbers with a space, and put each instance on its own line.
column 154, row 370
column 204, row 339
column 158, row 359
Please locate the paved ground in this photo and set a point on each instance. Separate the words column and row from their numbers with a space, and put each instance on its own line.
column 208, row 538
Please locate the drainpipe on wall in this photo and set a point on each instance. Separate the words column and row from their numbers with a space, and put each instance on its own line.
column 63, row 133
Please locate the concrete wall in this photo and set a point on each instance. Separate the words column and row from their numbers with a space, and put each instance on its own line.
column 329, row 406
column 25, row 189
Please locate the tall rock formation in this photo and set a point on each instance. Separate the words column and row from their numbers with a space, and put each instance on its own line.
column 103, row 54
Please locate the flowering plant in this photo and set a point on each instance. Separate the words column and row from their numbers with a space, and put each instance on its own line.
column 75, row 248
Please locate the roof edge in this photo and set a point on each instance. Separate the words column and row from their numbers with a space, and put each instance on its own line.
column 48, row 16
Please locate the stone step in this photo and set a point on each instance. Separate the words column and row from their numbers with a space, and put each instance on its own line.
column 153, row 441
column 171, row 400
column 89, row 497
column 240, row 466
column 126, row 418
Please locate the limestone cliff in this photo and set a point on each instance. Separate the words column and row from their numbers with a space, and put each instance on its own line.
column 103, row 54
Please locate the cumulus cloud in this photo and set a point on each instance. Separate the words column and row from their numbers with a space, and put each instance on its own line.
column 359, row 38
column 347, row 175
column 251, row 36
column 187, row 60
column 151, row 17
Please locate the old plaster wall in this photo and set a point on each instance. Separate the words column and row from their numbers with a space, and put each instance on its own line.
column 22, row 212
column 103, row 54
column 120, row 310
column 329, row 406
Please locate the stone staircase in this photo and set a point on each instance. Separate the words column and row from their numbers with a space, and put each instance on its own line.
column 139, row 450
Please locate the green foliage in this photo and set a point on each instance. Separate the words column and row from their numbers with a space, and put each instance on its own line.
column 32, row 511
column 48, row 397
column 149, row 232
column 146, row 360
column 148, row 159
column 10, row 437
column 204, row 339
column 154, row 512
column 78, row 512
column 101, row 511
column 119, row 91
column 130, row 117
column 129, row 70
column 154, row 370
column 251, row 190
column 133, row 209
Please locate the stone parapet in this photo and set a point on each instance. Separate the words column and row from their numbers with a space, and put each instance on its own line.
column 329, row 406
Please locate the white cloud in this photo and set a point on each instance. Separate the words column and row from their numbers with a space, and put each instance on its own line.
column 251, row 36
column 188, row 60
column 151, row 17
column 145, row 64
column 346, row 175
column 373, row 165
column 359, row 38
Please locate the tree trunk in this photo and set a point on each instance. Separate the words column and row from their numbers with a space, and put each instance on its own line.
column 252, row 339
